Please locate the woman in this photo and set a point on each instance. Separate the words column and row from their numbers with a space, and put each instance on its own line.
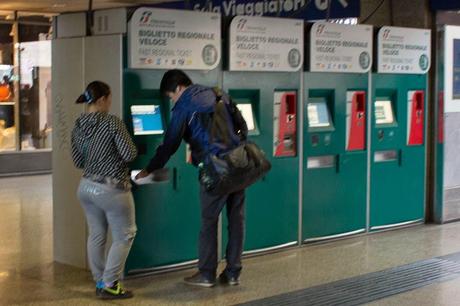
column 102, row 147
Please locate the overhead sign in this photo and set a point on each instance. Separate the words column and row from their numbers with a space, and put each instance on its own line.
column 340, row 48
column 266, row 44
column 444, row 5
column 403, row 50
column 303, row 9
column 166, row 39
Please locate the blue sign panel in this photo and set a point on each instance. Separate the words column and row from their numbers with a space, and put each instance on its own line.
column 302, row 9
column 456, row 70
column 444, row 5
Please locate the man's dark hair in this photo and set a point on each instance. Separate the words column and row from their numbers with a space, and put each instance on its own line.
column 173, row 78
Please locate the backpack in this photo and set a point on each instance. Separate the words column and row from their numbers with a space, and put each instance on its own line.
column 237, row 168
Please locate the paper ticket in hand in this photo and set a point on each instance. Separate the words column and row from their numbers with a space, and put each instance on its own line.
column 141, row 181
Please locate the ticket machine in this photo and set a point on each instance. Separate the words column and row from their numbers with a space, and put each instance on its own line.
column 270, row 112
column 265, row 86
column 168, row 212
column 335, row 144
column 398, row 150
column 398, row 146
column 335, row 150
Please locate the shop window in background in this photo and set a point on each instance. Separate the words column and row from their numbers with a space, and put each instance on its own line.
column 7, row 104
column 7, row 127
column 35, row 95
column 35, row 82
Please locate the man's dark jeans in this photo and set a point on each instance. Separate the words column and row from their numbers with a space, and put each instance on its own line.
column 211, row 206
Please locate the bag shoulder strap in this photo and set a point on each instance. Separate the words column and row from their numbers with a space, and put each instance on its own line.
column 219, row 127
column 239, row 124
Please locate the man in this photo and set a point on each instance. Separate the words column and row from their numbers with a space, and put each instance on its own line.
column 192, row 103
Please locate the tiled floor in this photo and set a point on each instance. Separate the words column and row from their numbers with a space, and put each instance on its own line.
column 28, row 275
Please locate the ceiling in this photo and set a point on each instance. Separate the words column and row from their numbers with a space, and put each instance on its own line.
column 61, row 6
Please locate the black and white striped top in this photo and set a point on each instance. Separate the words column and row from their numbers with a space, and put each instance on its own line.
column 102, row 146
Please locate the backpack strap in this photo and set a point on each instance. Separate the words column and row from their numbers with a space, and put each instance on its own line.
column 219, row 93
column 219, row 127
column 239, row 124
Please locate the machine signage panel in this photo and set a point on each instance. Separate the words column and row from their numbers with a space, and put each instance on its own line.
column 384, row 112
column 167, row 39
column 146, row 120
column 266, row 44
column 404, row 50
column 285, row 124
column 340, row 48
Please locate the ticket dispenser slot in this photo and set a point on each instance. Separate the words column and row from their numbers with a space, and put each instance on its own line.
column 285, row 124
column 385, row 156
column 415, row 117
column 315, row 162
column 356, row 120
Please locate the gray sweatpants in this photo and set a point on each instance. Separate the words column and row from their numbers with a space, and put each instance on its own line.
column 105, row 206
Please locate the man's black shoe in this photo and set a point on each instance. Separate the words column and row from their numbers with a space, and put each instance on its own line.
column 232, row 280
column 198, row 279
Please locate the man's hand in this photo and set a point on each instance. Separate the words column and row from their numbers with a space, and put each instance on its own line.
column 142, row 174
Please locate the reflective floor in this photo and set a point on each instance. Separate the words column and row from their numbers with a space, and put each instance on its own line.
column 28, row 275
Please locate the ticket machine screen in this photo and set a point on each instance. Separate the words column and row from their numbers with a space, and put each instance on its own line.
column 146, row 120
column 248, row 115
column 318, row 115
column 383, row 112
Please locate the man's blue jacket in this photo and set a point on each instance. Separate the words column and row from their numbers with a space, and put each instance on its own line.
column 186, row 123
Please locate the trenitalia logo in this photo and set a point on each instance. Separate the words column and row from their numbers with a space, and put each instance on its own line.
column 320, row 29
column 145, row 17
column 241, row 24
column 386, row 34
